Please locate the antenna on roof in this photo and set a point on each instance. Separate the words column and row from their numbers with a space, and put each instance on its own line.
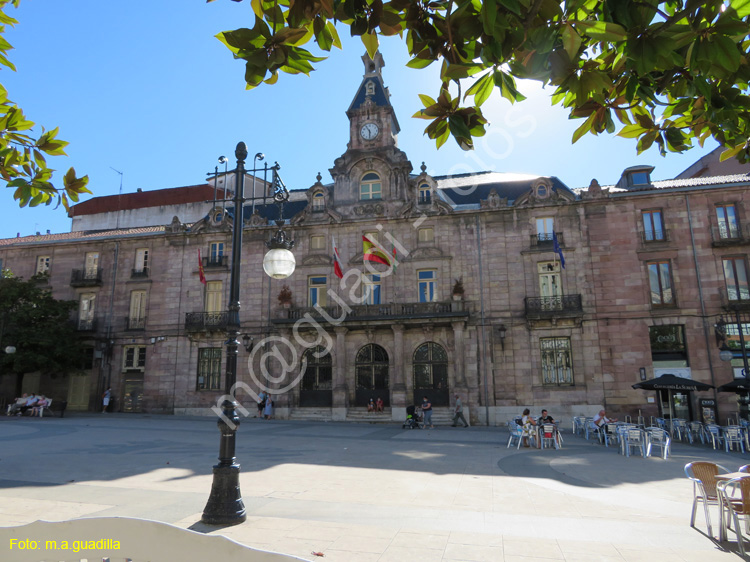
column 119, row 200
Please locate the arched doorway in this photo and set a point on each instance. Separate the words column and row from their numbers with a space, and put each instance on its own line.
column 317, row 382
column 371, row 368
column 431, row 374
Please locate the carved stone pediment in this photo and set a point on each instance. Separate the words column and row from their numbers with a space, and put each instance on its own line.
column 595, row 191
column 175, row 226
column 256, row 220
column 317, row 259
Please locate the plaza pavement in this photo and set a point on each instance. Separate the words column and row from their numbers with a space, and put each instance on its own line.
column 364, row 492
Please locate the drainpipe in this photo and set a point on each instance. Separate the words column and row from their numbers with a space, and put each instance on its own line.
column 703, row 304
column 104, row 385
column 483, row 364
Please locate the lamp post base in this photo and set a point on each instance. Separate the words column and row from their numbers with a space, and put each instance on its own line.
column 225, row 506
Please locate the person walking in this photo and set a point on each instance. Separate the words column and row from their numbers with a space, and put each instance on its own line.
column 427, row 410
column 106, row 397
column 458, row 412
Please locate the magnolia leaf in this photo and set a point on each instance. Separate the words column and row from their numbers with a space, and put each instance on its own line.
column 371, row 43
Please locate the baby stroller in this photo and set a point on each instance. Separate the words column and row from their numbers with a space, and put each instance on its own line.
column 413, row 418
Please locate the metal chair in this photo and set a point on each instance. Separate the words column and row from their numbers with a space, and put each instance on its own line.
column 679, row 430
column 736, row 506
column 703, row 474
column 578, row 425
column 695, row 430
column 714, row 432
column 634, row 437
column 660, row 438
column 549, row 436
column 593, row 429
column 733, row 436
column 609, row 433
column 516, row 431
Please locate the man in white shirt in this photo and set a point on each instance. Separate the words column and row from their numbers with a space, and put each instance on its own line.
column 601, row 418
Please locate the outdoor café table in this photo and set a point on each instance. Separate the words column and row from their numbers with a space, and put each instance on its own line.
column 719, row 479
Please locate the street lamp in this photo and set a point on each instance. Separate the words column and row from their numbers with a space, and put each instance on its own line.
column 225, row 506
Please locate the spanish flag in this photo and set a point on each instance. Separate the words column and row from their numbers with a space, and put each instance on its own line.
column 201, row 273
column 373, row 253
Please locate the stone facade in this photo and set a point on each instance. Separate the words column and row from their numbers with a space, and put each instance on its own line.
column 525, row 331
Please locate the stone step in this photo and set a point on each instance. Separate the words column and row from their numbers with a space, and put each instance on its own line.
column 362, row 415
column 310, row 414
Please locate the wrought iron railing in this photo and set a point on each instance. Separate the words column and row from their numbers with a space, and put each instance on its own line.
column 380, row 311
column 654, row 236
column 135, row 323
column 215, row 261
column 724, row 234
column 544, row 241
column 86, row 277
column 552, row 306
column 136, row 273
column 86, row 324
column 206, row 321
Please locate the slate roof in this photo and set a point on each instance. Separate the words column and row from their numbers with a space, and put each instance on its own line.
column 702, row 181
column 471, row 188
column 81, row 236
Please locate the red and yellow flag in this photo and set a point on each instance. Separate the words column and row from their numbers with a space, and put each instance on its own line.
column 201, row 273
column 373, row 253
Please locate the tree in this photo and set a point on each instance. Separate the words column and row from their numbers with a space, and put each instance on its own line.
column 23, row 165
column 669, row 72
column 39, row 327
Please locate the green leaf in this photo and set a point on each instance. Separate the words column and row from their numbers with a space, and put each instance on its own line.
column 418, row 62
column 742, row 7
column 603, row 30
column 370, row 41
column 571, row 41
column 481, row 89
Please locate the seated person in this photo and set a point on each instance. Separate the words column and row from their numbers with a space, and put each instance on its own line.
column 371, row 405
column 601, row 419
column 529, row 429
column 379, row 404
column 15, row 406
column 546, row 418
column 30, row 401
column 38, row 405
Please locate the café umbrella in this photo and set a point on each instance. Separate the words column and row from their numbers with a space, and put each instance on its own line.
column 669, row 383
column 739, row 386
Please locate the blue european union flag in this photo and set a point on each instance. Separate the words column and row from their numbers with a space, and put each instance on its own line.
column 557, row 250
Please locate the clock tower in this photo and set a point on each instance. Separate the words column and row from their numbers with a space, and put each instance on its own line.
column 372, row 122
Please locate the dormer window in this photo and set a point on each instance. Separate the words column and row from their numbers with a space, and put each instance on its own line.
column 370, row 187
column 425, row 194
column 640, row 178
column 218, row 217
column 318, row 203
column 370, row 88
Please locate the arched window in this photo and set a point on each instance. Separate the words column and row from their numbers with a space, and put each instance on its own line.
column 425, row 194
column 371, row 367
column 318, row 202
column 370, row 187
column 430, row 363
column 317, row 382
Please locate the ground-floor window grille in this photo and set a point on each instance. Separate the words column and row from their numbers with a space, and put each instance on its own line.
column 557, row 363
column 209, row 369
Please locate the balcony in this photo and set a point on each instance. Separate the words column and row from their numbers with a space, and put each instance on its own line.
column 141, row 273
column 86, row 324
column 543, row 242
column 91, row 277
column 135, row 323
column 368, row 313
column 216, row 262
column 554, row 307
column 206, row 321
column 732, row 300
column 728, row 235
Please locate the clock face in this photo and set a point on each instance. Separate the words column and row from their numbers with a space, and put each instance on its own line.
column 369, row 131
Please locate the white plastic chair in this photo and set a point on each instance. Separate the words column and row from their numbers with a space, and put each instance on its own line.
column 658, row 437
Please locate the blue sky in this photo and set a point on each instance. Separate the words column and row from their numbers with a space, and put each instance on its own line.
column 146, row 89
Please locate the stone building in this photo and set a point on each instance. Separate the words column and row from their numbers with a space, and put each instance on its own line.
column 508, row 290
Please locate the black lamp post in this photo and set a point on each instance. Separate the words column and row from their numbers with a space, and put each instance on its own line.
column 225, row 506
